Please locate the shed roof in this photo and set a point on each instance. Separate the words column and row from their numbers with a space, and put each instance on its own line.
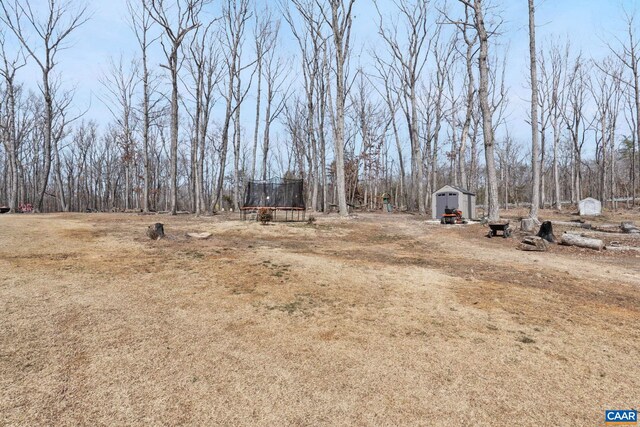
column 461, row 190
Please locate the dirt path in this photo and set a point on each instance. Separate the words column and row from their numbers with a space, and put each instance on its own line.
column 378, row 320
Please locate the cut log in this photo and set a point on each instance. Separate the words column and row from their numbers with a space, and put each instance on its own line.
column 546, row 232
column 582, row 242
column 155, row 231
column 533, row 243
column 527, row 224
column 201, row 236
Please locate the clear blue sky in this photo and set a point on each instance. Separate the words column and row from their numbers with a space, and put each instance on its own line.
column 588, row 23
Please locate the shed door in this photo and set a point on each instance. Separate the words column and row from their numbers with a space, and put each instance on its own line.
column 445, row 201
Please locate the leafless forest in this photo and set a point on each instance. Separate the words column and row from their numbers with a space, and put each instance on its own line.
column 252, row 90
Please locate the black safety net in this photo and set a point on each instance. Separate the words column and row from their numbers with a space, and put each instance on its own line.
column 285, row 194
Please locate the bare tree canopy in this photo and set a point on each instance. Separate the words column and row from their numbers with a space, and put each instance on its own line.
column 358, row 99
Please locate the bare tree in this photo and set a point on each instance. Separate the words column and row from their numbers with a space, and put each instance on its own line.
column 628, row 52
column 606, row 93
column 8, row 122
column 312, row 43
column 409, row 57
column 235, row 16
column 176, row 22
column 275, row 74
column 58, row 21
column 478, row 7
column 119, row 84
column 470, row 47
column 553, row 70
column 444, row 55
column 141, row 24
column 535, row 147
column 574, row 118
column 206, row 72
column 339, row 18
column 265, row 33
column 390, row 93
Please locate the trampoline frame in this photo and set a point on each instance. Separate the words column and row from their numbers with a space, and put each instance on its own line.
column 247, row 210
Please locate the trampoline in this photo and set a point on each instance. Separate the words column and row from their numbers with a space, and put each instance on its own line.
column 284, row 196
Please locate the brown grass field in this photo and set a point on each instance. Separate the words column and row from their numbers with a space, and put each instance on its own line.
column 375, row 320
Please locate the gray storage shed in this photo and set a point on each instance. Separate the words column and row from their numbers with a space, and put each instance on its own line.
column 450, row 197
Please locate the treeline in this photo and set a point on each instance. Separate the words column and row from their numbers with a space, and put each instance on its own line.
column 254, row 90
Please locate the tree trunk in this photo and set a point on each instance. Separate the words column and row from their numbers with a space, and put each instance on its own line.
column 236, row 148
column 174, row 130
column 255, row 132
column 48, row 130
column 341, row 51
column 535, row 148
column 417, row 152
column 487, row 125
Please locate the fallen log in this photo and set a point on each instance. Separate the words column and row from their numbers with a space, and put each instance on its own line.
column 609, row 235
column 606, row 228
column 572, row 224
column 622, row 248
column 582, row 242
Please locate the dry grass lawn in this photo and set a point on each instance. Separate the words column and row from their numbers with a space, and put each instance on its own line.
column 377, row 320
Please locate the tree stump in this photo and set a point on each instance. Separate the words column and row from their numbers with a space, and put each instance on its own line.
column 155, row 231
column 546, row 232
column 527, row 224
column 582, row 242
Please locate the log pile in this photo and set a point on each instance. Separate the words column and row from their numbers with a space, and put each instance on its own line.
column 533, row 243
